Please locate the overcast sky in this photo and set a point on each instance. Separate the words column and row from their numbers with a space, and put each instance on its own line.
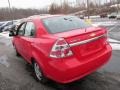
column 31, row 3
column 25, row 3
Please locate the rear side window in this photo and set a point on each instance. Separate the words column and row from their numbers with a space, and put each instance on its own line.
column 29, row 29
column 64, row 24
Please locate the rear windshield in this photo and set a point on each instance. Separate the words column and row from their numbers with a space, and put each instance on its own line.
column 64, row 24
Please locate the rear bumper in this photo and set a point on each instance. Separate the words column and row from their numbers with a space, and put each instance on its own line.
column 66, row 71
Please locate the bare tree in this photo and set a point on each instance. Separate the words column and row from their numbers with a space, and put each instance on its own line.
column 54, row 8
column 19, row 13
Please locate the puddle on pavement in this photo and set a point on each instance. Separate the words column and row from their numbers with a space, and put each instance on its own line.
column 96, row 81
column 113, row 65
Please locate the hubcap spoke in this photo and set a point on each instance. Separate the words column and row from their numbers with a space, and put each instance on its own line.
column 37, row 71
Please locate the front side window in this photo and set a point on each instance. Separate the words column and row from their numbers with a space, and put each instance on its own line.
column 21, row 29
column 64, row 24
column 29, row 29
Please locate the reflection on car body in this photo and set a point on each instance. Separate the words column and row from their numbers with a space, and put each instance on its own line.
column 61, row 48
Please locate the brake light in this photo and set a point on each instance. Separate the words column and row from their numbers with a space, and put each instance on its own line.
column 60, row 49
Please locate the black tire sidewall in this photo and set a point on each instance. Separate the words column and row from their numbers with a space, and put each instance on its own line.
column 43, row 80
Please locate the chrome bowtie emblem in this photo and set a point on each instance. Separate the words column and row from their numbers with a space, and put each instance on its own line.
column 75, row 40
column 92, row 35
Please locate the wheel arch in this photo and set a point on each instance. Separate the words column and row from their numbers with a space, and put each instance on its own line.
column 35, row 58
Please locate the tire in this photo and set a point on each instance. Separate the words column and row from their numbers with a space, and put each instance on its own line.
column 17, row 53
column 39, row 74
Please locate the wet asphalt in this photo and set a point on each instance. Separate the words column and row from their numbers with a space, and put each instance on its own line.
column 16, row 74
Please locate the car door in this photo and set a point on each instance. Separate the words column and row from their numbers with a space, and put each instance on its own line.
column 17, row 39
column 27, row 39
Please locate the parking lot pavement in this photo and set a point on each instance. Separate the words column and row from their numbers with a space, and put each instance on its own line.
column 16, row 74
column 110, row 24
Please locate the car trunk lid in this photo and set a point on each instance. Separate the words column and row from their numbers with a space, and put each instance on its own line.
column 85, row 42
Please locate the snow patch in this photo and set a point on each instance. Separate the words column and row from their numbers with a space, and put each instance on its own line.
column 107, row 23
column 5, row 34
column 3, row 61
column 113, row 40
column 115, row 46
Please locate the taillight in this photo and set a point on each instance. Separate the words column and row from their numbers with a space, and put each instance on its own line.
column 60, row 49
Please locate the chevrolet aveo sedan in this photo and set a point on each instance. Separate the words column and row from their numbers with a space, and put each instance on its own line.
column 61, row 48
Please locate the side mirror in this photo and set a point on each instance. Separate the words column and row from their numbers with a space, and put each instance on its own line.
column 11, row 33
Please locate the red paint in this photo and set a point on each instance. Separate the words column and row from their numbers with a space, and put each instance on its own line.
column 83, row 60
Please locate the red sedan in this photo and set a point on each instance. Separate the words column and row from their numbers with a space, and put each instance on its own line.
column 61, row 48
